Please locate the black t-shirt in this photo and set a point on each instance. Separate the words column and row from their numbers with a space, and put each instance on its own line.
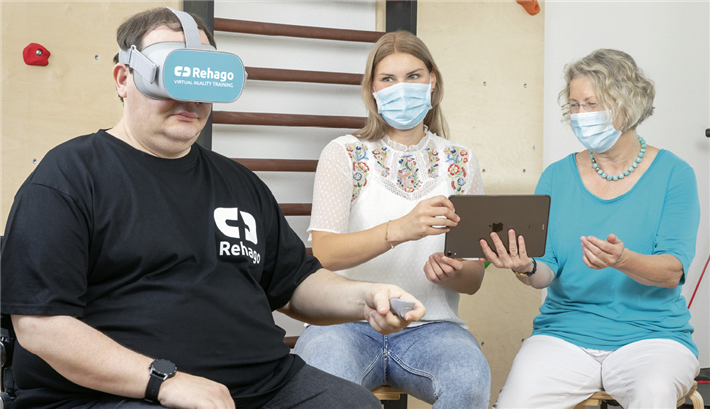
column 182, row 259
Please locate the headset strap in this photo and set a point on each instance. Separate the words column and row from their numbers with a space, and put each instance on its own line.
column 139, row 62
column 145, row 67
column 189, row 27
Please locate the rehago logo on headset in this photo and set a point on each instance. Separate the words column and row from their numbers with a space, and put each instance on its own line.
column 196, row 72
column 243, row 221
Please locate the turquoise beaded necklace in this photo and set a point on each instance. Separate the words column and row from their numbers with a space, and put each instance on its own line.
column 620, row 176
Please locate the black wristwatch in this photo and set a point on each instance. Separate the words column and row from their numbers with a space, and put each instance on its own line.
column 160, row 370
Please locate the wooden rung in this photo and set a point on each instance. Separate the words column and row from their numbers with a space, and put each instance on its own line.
column 278, row 165
column 322, row 77
column 273, row 29
column 296, row 209
column 319, row 121
column 309, row 251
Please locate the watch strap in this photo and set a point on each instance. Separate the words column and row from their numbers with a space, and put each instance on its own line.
column 151, row 392
column 534, row 270
column 160, row 370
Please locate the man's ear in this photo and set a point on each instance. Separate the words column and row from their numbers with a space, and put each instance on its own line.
column 121, row 76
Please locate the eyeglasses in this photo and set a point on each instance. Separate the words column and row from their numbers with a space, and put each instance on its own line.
column 588, row 107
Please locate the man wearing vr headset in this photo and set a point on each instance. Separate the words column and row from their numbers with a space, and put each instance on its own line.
column 140, row 266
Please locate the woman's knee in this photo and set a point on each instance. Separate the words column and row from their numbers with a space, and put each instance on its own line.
column 326, row 341
column 337, row 350
column 473, row 391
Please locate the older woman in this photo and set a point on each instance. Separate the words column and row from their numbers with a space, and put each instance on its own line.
column 623, row 224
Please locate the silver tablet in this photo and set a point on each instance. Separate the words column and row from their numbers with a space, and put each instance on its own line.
column 482, row 214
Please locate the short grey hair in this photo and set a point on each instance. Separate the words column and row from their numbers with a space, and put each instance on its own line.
column 619, row 83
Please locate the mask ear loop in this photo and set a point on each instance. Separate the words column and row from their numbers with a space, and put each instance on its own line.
column 430, row 94
column 377, row 100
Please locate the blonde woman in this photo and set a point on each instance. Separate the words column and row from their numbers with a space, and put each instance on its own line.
column 380, row 209
column 623, row 224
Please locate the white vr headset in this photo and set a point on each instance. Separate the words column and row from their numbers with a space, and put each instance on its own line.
column 189, row 71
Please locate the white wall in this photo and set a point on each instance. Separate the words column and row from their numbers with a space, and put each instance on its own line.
column 243, row 141
column 670, row 41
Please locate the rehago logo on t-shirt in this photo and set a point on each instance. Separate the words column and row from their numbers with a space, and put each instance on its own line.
column 243, row 221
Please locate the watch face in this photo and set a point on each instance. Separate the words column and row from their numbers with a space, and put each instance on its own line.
column 164, row 367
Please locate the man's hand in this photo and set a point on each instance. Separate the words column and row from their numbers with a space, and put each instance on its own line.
column 184, row 391
column 377, row 308
column 325, row 298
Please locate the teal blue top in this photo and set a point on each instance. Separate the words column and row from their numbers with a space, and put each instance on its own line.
column 605, row 309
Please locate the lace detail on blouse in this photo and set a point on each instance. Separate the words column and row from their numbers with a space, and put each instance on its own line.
column 348, row 166
column 417, row 169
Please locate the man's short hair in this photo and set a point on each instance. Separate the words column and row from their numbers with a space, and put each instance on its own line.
column 132, row 31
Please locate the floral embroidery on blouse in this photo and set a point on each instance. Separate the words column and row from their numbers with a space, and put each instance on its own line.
column 358, row 155
column 433, row 156
column 380, row 154
column 457, row 171
column 408, row 174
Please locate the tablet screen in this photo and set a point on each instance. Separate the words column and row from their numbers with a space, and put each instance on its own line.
column 481, row 214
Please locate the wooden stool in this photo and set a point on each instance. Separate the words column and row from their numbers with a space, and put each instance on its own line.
column 602, row 398
column 390, row 397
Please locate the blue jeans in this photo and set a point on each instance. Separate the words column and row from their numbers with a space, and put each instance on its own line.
column 439, row 363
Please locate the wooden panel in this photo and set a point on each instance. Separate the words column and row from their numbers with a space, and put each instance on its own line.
column 279, row 165
column 74, row 95
column 257, row 118
column 491, row 56
column 276, row 74
column 256, row 27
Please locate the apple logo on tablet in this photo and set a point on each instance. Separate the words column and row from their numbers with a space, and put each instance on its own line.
column 496, row 227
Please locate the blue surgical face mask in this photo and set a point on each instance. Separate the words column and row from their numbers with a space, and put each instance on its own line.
column 404, row 105
column 595, row 130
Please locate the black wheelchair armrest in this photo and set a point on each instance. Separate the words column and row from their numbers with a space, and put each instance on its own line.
column 7, row 346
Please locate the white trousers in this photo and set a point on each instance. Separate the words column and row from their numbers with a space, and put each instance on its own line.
column 551, row 373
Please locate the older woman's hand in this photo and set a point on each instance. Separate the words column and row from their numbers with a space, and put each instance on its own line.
column 598, row 253
column 516, row 259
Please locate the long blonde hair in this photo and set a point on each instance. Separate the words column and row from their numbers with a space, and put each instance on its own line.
column 391, row 43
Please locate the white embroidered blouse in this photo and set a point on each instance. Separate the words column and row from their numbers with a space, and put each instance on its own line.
column 361, row 184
